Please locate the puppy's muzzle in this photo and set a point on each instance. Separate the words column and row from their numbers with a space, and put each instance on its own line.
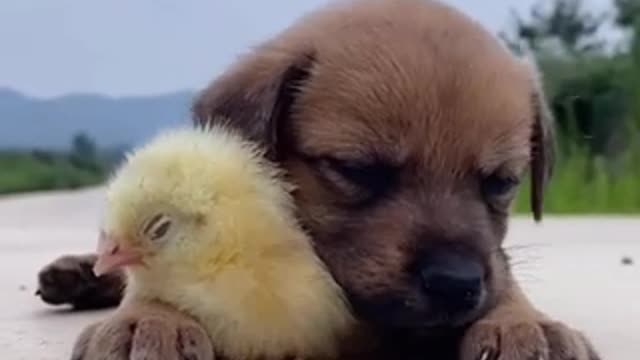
column 453, row 283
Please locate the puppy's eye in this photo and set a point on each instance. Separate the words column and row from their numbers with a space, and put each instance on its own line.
column 496, row 185
column 364, row 175
column 157, row 227
column 373, row 178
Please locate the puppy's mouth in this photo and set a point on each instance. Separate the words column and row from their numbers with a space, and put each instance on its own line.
column 444, row 290
column 398, row 313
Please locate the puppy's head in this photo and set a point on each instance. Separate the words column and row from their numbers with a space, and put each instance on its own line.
column 407, row 129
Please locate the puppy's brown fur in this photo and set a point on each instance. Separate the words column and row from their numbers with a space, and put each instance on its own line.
column 404, row 126
column 391, row 116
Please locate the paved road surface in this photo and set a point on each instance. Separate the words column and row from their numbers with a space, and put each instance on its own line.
column 571, row 267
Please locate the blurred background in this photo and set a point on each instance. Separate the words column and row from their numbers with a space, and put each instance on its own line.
column 81, row 82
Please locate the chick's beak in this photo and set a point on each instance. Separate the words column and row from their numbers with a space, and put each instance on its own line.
column 113, row 256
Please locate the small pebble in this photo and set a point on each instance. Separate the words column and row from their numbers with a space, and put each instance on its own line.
column 627, row 261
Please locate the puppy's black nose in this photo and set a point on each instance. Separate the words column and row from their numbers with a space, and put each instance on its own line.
column 452, row 282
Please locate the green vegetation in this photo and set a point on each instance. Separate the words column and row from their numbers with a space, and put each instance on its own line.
column 39, row 170
column 593, row 88
column 583, row 185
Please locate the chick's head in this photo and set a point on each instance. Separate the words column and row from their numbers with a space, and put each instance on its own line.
column 190, row 198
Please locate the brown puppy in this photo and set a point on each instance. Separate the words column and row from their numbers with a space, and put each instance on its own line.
column 406, row 128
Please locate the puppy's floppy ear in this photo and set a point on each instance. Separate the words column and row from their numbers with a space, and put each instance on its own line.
column 542, row 149
column 256, row 95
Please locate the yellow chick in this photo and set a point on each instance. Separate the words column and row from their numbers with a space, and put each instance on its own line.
column 200, row 220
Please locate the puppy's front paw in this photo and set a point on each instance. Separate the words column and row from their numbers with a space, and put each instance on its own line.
column 149, row 333
column 70, row 280
column 513, row 340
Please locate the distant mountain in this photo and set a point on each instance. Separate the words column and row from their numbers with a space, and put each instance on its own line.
column 27, row 122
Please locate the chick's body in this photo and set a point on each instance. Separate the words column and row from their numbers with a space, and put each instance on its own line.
column 213, row 225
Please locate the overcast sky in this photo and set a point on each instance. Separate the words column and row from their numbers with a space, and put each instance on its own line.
column 130, row 47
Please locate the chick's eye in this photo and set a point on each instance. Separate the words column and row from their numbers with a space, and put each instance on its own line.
column 157, row 227
column 496, row 185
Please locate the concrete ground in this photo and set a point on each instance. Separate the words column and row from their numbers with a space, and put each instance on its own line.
column 572, row 268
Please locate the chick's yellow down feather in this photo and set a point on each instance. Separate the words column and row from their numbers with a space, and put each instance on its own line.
column 208, row 226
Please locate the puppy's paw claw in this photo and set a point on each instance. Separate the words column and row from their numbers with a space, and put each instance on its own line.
column 152, row 334
column 494, row 340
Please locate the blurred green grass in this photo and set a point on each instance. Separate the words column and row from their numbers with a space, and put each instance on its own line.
column 24, row 172
column 83, row 165
column 582, row 185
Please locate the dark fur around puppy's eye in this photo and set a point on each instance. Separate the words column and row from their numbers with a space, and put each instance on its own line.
column 374, row 177
column 498, row 191
column 497, row 186
column 360, row 181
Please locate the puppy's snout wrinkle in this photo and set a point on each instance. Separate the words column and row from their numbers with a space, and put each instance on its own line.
column 453, row 282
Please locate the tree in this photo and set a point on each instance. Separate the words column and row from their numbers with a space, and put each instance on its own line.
column 628, row 17
column 628, row 12
column 587, row 88
column 83, row 146
column 567, row 24
column 84, row 154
